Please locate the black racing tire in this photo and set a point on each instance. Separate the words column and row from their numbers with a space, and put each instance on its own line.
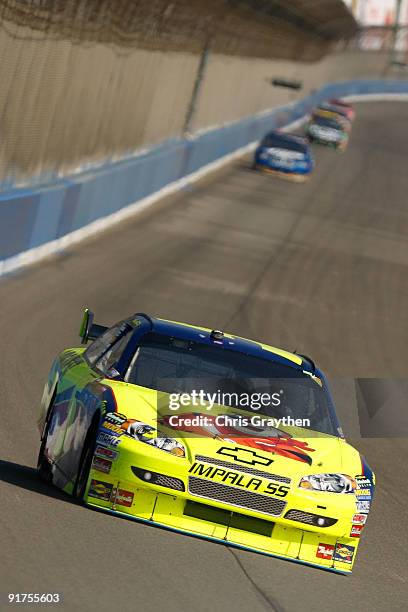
column 44, row 468
column 85, row 461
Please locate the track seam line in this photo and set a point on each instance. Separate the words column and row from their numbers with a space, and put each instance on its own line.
column 274, row 605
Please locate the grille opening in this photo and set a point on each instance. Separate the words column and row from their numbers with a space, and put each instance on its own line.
column 233, row 519
column 309, row 518
column 236, row 497
column 159, row 479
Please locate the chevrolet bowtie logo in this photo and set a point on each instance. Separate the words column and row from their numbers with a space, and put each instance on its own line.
column 245, row 455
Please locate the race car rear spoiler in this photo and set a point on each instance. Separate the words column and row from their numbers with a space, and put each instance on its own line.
column 90, row 330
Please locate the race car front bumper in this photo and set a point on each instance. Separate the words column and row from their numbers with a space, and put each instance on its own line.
column 340, row 145
column 182, row 511
column 297, row 177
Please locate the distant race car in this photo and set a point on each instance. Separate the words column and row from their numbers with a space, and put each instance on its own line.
column 284, row 154
column 330, row 112
column 351, row 113
column 338, row 111
column 121, row 430
column 327, row 130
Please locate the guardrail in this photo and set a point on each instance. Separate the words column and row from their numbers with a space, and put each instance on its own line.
column 37, row 222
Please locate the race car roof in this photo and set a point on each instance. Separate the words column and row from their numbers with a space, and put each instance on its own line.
column 205, row 335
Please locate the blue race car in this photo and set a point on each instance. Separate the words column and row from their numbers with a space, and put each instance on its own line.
column 284, row 154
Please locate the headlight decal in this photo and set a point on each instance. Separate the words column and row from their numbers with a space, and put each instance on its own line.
column 148, row 434
column 116, row 425
column 330, row 483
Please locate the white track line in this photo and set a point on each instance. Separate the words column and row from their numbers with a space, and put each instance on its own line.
column 390, row 97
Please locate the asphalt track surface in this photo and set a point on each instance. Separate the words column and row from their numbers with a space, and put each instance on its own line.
column 320, row 267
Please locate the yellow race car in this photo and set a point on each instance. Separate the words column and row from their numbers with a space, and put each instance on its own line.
column 206, row 433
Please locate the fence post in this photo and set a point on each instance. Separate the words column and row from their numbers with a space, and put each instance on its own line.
column 201, row 70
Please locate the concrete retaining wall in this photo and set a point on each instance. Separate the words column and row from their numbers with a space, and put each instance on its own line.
column 85, row 81
column 237, row 87
column 37, row 222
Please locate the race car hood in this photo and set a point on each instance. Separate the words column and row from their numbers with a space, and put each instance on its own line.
column 289, row 451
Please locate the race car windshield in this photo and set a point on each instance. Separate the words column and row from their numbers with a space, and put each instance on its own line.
column 274, row 140
column 326, row 122
column 175, row 366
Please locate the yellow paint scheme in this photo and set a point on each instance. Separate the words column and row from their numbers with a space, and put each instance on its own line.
column 288, row 539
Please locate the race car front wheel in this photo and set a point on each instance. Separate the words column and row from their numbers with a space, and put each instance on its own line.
column 85, row 461
column 43, row 465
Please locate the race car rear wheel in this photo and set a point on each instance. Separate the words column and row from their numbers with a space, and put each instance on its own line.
column 86, row 461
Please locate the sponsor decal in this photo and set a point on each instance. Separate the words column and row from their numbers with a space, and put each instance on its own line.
column 363, row 506
column 359, row 519
column 279, row 160
column 344, row 553
column 123, row 498
column 102, row 465
column 363, row 494
column 107, row 439
column 107, row 453
column 100, row 490
column 113, row 428
column 364, row 488
column 356, row 531
column 363, row 482
column 325, row 133
column 114, row 418
column 325, row 551
column 285, row 154
column 238, row 479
